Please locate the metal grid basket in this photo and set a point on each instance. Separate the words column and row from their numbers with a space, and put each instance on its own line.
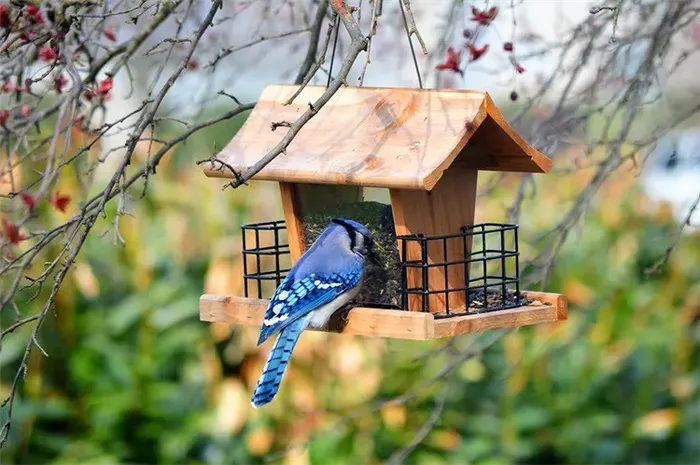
column 490, row 262
column 266, row 251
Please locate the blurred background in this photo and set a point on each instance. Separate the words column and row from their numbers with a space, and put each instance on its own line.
column 133, row 376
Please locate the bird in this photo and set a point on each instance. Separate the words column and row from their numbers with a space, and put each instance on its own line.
column 324, row 279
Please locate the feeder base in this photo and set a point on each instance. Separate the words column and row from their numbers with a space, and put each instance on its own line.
column 396, row 324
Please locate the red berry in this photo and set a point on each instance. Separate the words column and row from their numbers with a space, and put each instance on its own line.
column 477, row 52
column 104, row 86
column 508, row 46
column 11, row 232
column 451, row 61
column 514, row 96
column 60, row 201
column 28, row 199
column 35, row 13
column 48, row 54
column 4, row 16
column 59, row 83
column 484, row 17
column 111, row 33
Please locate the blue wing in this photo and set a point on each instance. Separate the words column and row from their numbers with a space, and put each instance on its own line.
column 296, row 298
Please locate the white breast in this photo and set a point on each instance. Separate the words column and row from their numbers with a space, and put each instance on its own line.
column 319, row 317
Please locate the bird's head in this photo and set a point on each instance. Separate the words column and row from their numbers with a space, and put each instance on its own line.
column 361, row 241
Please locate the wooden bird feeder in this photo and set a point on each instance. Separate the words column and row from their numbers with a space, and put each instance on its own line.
column 426, row 147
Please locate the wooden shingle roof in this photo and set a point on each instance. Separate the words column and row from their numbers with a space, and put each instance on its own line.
column 380, row 137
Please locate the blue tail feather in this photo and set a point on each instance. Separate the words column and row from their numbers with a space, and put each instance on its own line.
column 277, row 361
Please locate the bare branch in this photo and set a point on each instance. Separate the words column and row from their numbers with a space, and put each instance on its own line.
column 319, row 61
column 129, row 48
column 412, row 29
column 313, row 42
column 372, row 32
column 359, row 43
column 402, row 454
column 616, row 10
column 667, row 254
column 228, row 51
column 406, row 20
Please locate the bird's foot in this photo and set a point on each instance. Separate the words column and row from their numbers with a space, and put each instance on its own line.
column 339, row 319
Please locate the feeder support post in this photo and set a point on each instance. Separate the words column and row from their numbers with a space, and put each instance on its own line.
column 441, row 211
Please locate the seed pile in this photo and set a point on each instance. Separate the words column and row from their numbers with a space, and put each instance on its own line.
column 381, row 284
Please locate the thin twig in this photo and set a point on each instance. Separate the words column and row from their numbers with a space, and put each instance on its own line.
column 616, row 10
column 127, row 49
column 679, row 235
column 228, row 51
column 319, row 61
column 313, row 42
column 410, row 42
column 279, row 124
column 335, row 46
column 402, row 454
column 412, row 29
column 370, row 36
column 358, row 44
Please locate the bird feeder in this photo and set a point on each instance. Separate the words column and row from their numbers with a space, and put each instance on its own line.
column 426, row 147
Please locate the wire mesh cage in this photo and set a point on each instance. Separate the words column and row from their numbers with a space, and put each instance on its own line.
column 489, row 260
column 490, row 268
column 266, row 259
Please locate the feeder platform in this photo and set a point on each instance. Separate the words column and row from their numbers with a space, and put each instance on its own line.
column 397, row 324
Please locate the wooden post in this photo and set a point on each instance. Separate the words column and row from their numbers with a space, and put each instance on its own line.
column 444, row 210
column 298, row 199
column 292, row 218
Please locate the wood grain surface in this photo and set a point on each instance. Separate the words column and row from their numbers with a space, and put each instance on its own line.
column 379, row 137
column 398, row 324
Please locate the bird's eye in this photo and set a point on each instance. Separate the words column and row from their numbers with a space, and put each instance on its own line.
column 672, row 161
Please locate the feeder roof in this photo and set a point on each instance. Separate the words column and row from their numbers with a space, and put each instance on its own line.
column 379, row 137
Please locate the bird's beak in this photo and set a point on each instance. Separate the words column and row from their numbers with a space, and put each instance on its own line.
column 374, row 257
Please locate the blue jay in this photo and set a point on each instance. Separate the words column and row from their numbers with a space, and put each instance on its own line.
column 322, row 281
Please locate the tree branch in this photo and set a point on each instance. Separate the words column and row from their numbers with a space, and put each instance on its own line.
column 313, row 42
column 667, row 254
column 412, row 29
column 358, row 44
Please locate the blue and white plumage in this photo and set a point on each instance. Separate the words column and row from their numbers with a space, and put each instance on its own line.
column 324, row 279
